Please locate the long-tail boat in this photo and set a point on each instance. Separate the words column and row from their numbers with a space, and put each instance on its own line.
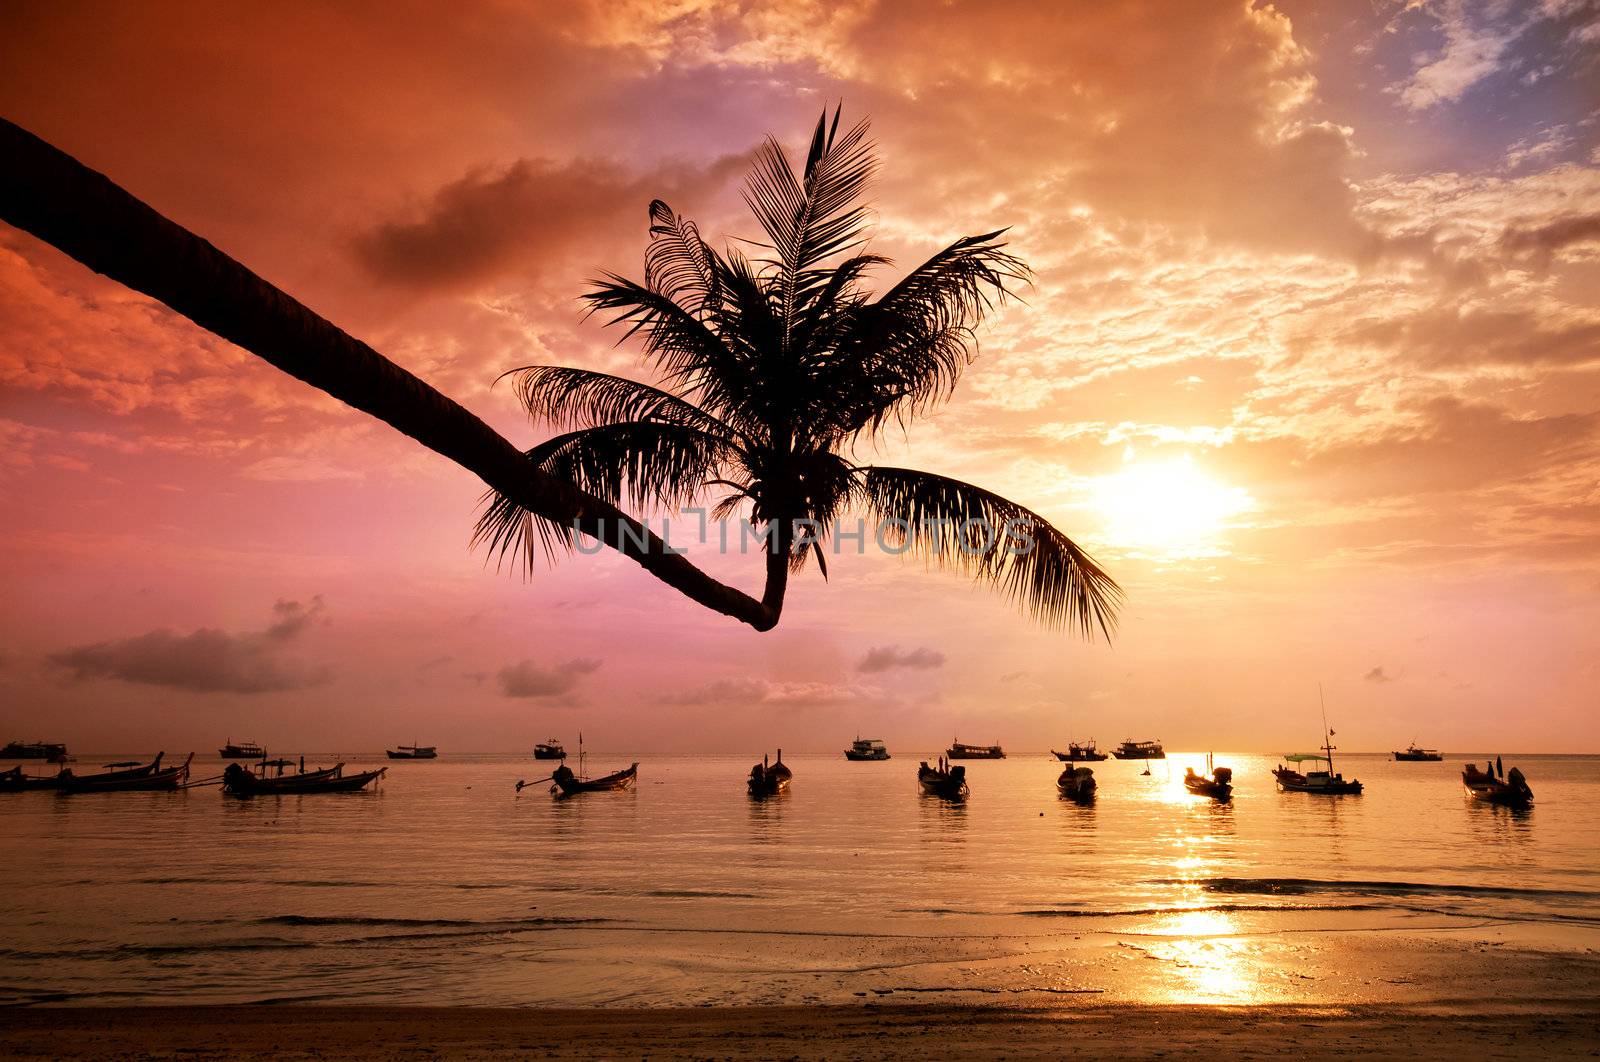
column 1216, row 783
column 769, row 779
column 15, row 781
column 565, row 782
column 126, row 776
column 241, row 781
column 1510, row 789
column 944, row 781
column 1077, row 783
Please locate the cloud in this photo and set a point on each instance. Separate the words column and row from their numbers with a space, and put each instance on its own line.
column 494, row 222
column 1377, row 674
column 1542, row 242
column 749, row 691
column 527, row 679
column 207, row 660
column 889, row 657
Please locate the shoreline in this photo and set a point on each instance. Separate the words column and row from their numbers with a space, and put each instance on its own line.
column 1530, row 1028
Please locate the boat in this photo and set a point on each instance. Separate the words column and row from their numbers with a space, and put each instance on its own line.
column 549, row 750
column 414, row 752
column 1216, row 783
column 1139, row 750
column 1413, row 754
column 1507, row 788
column 1076, row 753
column 15, row 781
column 248, row 750
column 770, row 779
column 961, row 751
column 943, row 781
column 1325, row 781
column 241, row 781
column 867, row 749
column 565, row 783
column 1077, row 783
column 34, row 750
column 126, row 776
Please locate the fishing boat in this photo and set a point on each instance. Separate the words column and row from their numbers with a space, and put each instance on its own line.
column 770, row 779
column 1139, row 750
column 15, row 781
column 34, row 750
column 943, row 781
column 867, row 749
column 1326, row 780
column 414, row 752
column 566, row 783
column 247, row 750
column 961, row 751
column 1216, row 783
column 1505, row 788
column 549, row 750
column 1079, row 753
column 125, row 776
column 1413, row 754
column 241, row 781
column 1077, row 783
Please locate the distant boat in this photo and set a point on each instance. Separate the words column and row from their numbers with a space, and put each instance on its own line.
column 1509, row 789
column 414, row 752
column 1314, row 781
column 1076, row 753
column 126, row 776
column 1216, row 783
column 1139, row 750
column 770, row 779
column 241, row 781
column 1077, row 783
column 15, row 781
column 867, row 749
column 944, row 781
column 549, row 750
column 249, row 750
column 961, row 751
column 34, row 750
column 1413, row 754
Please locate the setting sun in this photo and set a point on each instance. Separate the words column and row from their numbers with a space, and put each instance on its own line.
column 1168, row 508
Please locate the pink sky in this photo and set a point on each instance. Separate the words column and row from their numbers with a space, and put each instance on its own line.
column 1312, row 363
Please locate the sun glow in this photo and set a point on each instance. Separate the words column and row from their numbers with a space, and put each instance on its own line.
column 1168, row 509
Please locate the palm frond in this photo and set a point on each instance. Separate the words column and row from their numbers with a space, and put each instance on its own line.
column 678, row 263
column 568, row 396
column 1029, row 560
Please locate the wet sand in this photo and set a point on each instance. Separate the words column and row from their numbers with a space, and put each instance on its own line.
column 866, row 1031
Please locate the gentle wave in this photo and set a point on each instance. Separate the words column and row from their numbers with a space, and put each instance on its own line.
column 1307, row 886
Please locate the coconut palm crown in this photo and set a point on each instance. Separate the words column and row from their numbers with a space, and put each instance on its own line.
column 773, row 369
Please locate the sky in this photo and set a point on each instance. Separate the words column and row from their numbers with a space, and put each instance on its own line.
column 1311, row 363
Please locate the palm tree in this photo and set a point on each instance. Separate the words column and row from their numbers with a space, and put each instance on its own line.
column 773, row 371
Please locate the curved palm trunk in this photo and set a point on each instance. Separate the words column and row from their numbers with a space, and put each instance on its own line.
column 82, row 213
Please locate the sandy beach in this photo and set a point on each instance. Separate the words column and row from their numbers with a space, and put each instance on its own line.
column 867, row 1031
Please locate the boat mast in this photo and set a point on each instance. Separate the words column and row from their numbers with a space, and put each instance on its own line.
column 1327, row 735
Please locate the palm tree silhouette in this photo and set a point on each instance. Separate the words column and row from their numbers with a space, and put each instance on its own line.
column 773, row 370
column 87, row 216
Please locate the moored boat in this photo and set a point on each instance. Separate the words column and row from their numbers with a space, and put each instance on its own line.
column 1507, row 789
column 569, row 784
column 960, row 750
column 769, row 779
column 15, row 781
column 1077, row 783
column 247, row 750
column 945, row 781
column 866, row 749
column 126, row 776
column 1139, row 750
column 1325, row 781
column 1413, row 754
column 1080, row 753
column 1216, row 783
column 238, row 780
column 48, row 751
column 414, row 752
column 549, row 750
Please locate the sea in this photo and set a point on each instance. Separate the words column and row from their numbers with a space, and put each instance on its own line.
column 446, row 885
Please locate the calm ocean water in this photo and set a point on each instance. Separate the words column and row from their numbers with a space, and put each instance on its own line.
column 445, row 886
